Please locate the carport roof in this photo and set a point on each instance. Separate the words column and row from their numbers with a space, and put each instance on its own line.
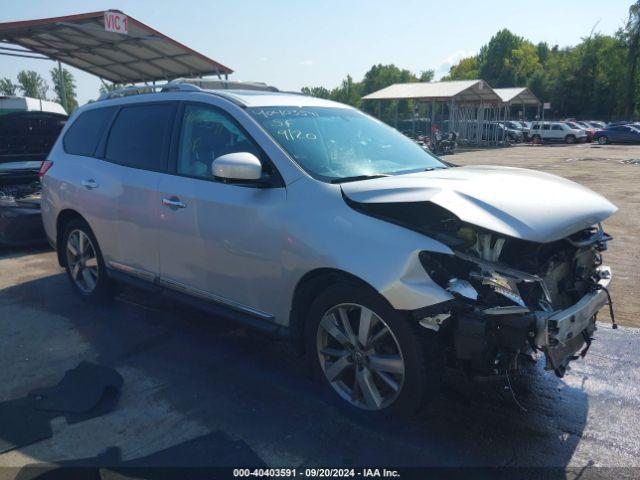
column 457, row 90
column 142, row 55
column 517, row 95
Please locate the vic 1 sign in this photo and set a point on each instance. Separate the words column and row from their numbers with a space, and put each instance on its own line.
column 115, row 22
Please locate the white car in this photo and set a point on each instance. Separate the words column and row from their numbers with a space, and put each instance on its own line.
column 309, row 218
column 557, row 132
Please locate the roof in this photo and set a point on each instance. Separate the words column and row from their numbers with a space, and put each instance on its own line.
column 10, row 103
column 458, row 90
column 141, row 55
column 250, row 98
column 517, row 95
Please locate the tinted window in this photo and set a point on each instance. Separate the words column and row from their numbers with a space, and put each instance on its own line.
column 29, row 133
column 139, row 136
column 206, row 134
column 545, row 127
column 84, row 134
column 556, row 127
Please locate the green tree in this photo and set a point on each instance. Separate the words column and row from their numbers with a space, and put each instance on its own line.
column 426, row 76
column 633, row 40
column 319, row 92
column 7, row 87
column 348, row 92
column 65, row 88
column 32, row 84
column 466, row 69
column 107, row 87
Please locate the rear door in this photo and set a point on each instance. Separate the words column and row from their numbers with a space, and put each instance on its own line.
column 136, row 155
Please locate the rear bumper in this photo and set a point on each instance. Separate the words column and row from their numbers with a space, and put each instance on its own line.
column 21, row 226
column 565, row 332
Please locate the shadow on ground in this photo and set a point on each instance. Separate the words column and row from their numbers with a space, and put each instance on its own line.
column 241, row 386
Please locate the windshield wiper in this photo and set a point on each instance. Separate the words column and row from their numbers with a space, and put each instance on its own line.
column 358, row 177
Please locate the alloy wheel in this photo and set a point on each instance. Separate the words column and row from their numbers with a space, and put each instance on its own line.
column 360, row 356
column 82, row 261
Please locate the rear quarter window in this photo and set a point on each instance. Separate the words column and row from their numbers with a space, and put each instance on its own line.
column 84, row 134
column 139, row 136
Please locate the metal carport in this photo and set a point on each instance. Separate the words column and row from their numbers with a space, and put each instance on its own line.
column 468, row 105
column 138, row 54
column 518, row 96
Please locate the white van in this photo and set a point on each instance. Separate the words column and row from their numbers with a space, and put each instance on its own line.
column 20, row 104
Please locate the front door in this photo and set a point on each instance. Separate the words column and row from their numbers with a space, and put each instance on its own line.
column 221, row 241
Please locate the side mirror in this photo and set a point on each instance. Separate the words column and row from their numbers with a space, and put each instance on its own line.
column 237, row 166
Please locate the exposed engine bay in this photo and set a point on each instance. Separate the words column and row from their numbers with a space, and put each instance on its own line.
column 20, row 220
column 512, row 297
column 12, row 194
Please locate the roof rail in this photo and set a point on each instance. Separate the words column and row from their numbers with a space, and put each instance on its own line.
column 186, row 85
column 215, row 84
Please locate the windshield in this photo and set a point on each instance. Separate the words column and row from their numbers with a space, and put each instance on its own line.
column 340, row 143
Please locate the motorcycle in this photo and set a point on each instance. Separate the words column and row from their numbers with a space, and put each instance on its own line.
column 442, row 143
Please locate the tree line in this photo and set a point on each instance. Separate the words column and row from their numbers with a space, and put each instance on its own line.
column 31, row 84
column 597, row 78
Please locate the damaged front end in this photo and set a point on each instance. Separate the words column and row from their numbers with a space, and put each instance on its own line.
column 515, row 297
column 512, row 297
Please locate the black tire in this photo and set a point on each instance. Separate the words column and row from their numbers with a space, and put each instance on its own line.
column 570, row 139
column 603, row 140
column 419, row 348
column 104, row 287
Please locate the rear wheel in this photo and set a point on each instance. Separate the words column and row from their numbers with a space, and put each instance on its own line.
column 369, row 356
column 83, row 261
column 603, row 140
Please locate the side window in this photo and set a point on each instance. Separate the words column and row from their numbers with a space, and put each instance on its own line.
column 545, row 127
column 140, row 135
column 536, row 127
column 84, row 134
column 207, row 133
column 556, row 127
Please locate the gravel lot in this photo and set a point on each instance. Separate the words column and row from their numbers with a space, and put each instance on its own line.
column 187, row 375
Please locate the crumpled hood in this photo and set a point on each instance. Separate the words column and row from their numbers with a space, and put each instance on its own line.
column 520, row 203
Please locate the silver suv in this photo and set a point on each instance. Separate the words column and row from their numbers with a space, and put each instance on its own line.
column 381, row 262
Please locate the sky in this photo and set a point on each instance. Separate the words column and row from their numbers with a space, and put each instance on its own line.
column 291, row 44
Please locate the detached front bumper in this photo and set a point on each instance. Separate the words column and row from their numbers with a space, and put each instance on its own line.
column 562, row 334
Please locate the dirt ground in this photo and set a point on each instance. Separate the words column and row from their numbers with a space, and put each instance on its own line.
column 602, row 169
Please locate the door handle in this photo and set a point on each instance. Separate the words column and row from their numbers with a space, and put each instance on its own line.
column 89, row 184
column 174, row 203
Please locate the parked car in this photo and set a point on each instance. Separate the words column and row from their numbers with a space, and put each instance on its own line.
column 596, row 124
column 305, row 217
column 590, row 131
column 498, row 131
column 519, row 127
column 25, row 141
column 557, row 132
column 617, row 134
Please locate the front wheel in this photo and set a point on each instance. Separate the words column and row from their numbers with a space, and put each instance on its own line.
column 570, row 139
column 603, row 140
column 369, row 356
column 83, row 262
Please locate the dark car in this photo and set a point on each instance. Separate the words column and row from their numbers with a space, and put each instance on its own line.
column 617, row 134
column 25, row 141
column 498, row 131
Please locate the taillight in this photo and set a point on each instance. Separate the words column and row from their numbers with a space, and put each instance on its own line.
column 44, row 168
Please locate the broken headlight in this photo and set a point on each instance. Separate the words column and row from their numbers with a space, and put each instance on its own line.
column 496, row 285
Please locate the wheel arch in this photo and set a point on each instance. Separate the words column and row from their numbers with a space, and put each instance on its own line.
column 64, row 217
column 307, row 288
